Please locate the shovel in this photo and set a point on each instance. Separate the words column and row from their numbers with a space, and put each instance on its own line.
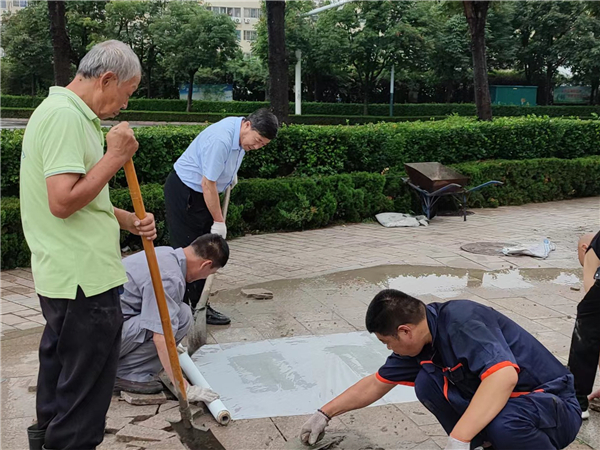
column 195, row 437
column 196, row 337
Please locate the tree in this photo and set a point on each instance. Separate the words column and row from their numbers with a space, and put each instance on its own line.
column 249, row 76
column 278, row 61
column 449, row 53
column 28, row 47
column 191, row 37
column 60, row 43
column 85, row 25
column 548, row 33
column 377, row 35
column 321, row 43
column 586, row 59
column 130, row 22
column 476, row 14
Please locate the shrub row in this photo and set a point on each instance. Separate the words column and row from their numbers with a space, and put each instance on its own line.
column 173, row 116
column 298, row 203
column 329, row 150
column 335, row 109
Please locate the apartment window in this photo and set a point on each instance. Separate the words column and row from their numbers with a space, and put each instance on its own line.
column 3, row 4
column 234, row 12
column 249, row 35
column 15, row 2
column 252, row 13
column 238, row 35
column 22, row 3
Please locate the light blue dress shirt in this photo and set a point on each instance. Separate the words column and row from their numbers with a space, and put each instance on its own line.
column 215, row 154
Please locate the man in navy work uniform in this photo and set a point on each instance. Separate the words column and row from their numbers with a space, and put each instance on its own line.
column 208, row 166
column 482, row 376
column 585, row 343
column 143, row 347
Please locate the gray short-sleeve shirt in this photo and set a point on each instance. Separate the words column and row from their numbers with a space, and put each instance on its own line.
column 138, row 298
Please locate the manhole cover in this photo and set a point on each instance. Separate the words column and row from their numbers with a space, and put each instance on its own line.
column 486, row 248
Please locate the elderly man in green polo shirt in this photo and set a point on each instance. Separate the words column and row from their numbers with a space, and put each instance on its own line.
column 72, row 230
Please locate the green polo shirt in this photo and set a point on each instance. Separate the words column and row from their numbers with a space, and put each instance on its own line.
column 64, row 136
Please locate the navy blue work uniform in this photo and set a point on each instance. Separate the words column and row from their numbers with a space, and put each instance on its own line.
column 470, row 343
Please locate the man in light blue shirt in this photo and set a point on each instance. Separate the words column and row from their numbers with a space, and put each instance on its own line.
column 208, row 166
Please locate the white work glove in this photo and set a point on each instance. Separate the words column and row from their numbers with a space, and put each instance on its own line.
column 219, row 228
column 455, row 444
column 234, row 181
column 200, row 394
column 314, row 428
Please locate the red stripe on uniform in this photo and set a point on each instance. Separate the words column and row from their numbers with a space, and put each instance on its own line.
column 497, row 367
column 518, row 394
column 446, row 388
column 446, row 369
column 403, row 383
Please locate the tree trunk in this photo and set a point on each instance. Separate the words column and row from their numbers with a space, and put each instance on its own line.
column 594, row 94
column 278, row 61
column 60, row 43
column 190, row 91
column 268, row 90
column 149, row 82
column 449, row 91
column 476, row 14
column 33, row 85
column 366, row 100
column 548, row 87
column 149, row 65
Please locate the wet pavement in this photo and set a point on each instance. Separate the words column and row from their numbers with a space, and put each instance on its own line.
column 322, row 281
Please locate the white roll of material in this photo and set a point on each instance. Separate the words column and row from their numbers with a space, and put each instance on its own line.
column 216, row 408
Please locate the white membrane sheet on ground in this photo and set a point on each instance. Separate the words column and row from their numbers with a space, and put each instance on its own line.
column 292, row 376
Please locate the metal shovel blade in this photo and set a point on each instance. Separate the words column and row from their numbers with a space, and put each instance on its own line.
column 197, row 335
column 196, row 437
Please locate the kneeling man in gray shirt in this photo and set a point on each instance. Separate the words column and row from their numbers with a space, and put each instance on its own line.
column 143, row 348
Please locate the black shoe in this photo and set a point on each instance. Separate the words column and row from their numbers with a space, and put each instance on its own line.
column 138, row 387
column 215, row 317
column 36, row 437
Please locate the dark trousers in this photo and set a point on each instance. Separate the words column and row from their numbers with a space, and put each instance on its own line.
column 79, row 353
column 545, row 420
column 187, row 218
column 585, row 344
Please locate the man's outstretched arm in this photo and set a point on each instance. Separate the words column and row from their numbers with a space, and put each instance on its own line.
column 366, row 391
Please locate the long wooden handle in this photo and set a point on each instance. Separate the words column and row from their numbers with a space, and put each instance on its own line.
column 209, row 281
column 140, row 212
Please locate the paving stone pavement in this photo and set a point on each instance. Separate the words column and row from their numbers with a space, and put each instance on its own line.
column 322, row 281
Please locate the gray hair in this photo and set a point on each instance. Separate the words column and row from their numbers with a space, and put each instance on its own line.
column 110, row 56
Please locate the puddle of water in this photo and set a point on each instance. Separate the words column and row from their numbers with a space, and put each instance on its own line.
column 442, row 282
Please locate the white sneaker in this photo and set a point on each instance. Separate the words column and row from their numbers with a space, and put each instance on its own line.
column 585, row 414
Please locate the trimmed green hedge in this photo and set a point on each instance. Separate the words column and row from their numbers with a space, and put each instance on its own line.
column 330, row 150
column 299, row 203
column 335, row 109
column 171, row 116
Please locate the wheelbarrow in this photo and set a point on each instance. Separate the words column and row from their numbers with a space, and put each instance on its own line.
column 432, row 181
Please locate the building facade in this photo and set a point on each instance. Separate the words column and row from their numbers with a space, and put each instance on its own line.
column 12, row 5
column 245, row 14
